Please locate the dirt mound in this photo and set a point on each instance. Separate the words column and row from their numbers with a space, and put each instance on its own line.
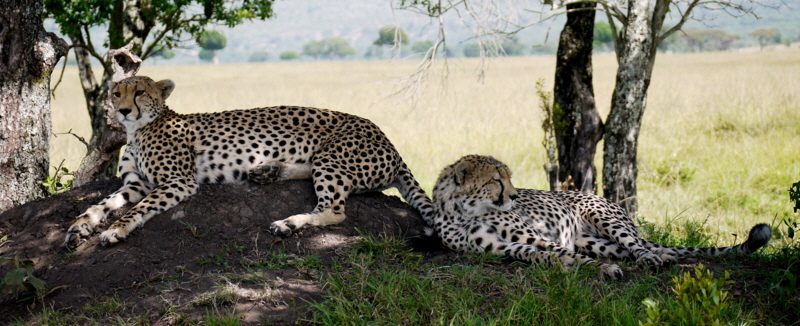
column 169, row 262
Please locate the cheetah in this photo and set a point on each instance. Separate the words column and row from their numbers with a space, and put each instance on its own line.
column 169, row 154
column 476, row 208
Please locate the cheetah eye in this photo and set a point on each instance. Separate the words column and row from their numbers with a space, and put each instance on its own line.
column 139, row 92
column 117, row 94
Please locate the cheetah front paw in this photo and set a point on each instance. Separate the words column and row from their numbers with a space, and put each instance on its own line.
column 668, row 256
column 266, row 173
column 79, row 231
column 649, row 259
column 668, row 259
column 112, row 236
column 613, row 271
column 281, row 228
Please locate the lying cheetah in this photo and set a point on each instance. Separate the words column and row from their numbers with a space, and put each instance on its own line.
column 477, row 208
column 169, row 154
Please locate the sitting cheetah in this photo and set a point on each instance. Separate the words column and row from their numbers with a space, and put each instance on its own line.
column 169, row 154
column 477, row 208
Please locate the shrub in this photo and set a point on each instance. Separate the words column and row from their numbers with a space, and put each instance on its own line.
column 259, row 56
column 289, row 55
column 698, row 301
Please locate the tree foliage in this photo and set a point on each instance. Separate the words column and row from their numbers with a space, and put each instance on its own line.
column 472, row 50
column 259, row 56
column 421, row 46
column 212, row 40
column 708, row 39
column 289, row 55
column 162, row 52
column 328, row 48
column 765, row 36
column 603, row 36
column 170, row 23
column 510, row 47
column 206, row 55
column 389, row 35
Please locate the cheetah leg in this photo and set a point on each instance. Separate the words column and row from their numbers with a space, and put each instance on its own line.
column 626, row 235
column 285, row 226
column 414, row 194
column 134, row 188
column 482, row 237
column 331, row 197
column 601, row 247
column 278, row 171
column 164, row 197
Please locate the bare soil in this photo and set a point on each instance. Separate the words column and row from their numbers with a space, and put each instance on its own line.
column 181, row 253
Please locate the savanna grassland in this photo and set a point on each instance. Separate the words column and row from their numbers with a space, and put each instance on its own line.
column 716, row 144
column 715, row 157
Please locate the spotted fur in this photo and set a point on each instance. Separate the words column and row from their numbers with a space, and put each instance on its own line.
column 476, row 208
column 169, row 154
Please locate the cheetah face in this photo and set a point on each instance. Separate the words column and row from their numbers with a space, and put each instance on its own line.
column 139, row 100
column 484, row 185
column 495, row 193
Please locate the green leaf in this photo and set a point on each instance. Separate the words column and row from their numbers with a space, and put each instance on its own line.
column 14, row 277
column 37, row 283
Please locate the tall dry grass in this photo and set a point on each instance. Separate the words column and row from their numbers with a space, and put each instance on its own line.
column 716, row 141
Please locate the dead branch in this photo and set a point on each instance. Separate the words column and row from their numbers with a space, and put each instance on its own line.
column 81, row 139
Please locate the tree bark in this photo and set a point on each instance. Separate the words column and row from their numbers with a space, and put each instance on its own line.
column 101, row 161
column 578, row 126
column 639, row 42
column 27, row 57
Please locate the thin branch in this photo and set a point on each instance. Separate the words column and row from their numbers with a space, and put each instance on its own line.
column 90, row 47
column 685, row 15
column 615, row 37
column 160, row 35
column 60, row 77
column 81, row 139
column 410, row 86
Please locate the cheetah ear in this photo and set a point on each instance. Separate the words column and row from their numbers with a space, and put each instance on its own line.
column 165, row 86
column 462, row 170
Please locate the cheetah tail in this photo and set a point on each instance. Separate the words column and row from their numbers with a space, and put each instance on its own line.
column 413, row 194
column 759, row 236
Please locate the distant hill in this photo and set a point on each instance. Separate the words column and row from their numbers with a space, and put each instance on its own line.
column 298, row 22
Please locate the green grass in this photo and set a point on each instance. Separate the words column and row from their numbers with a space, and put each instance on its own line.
column 393, row 286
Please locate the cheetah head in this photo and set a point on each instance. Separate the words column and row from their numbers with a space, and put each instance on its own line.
column 477, row 184
column 139, row 100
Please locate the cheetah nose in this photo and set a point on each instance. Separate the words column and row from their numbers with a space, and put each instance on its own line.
column 513, row 197
column 124, row 111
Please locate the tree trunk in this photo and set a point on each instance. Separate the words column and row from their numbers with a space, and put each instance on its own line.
column 129, row 22
column 578, row 126
column 636, row 58
column 27, row 57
